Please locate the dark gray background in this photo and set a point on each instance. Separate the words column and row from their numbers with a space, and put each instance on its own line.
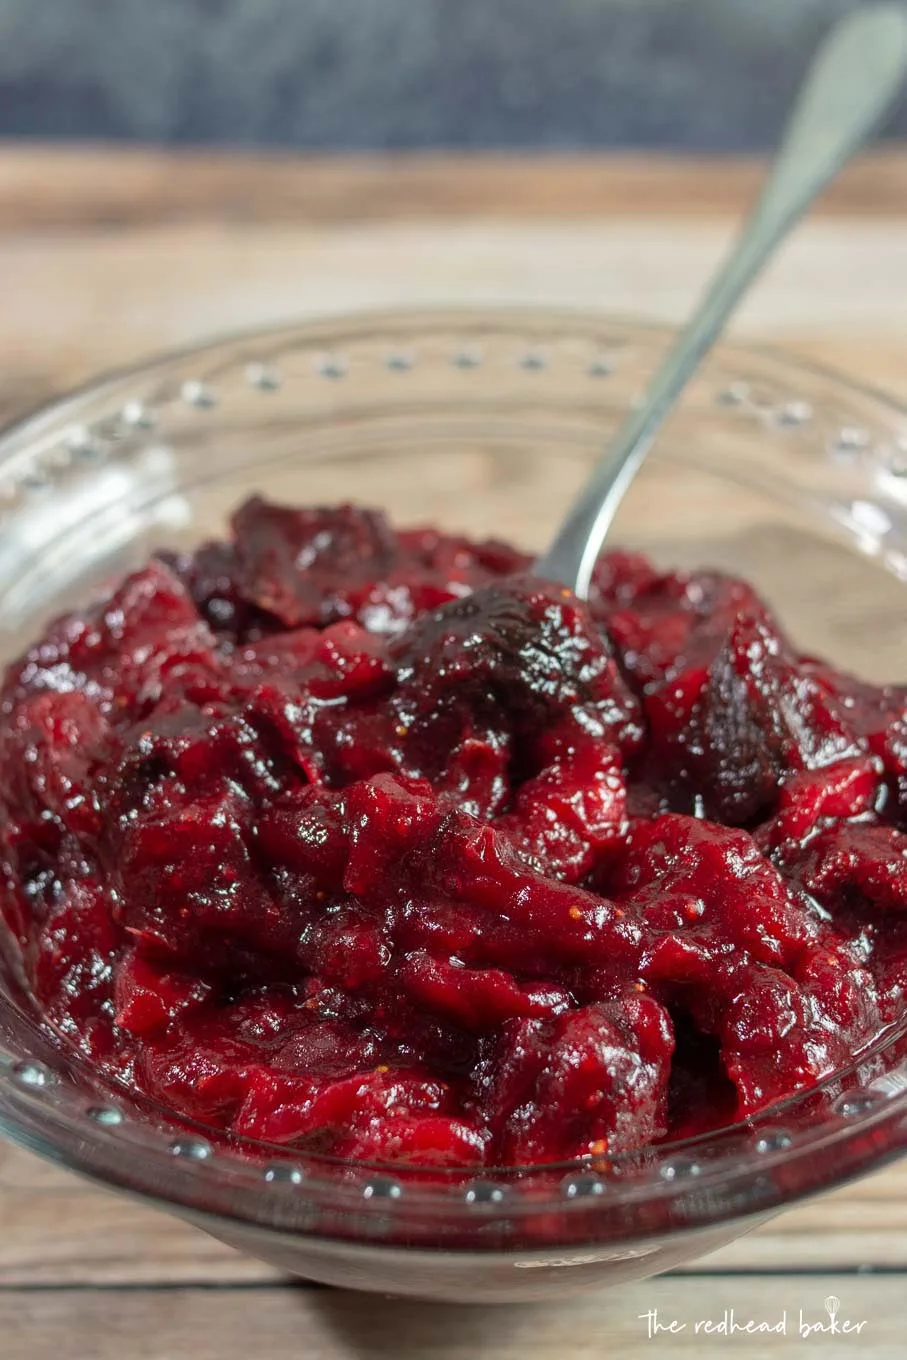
column 408, row 73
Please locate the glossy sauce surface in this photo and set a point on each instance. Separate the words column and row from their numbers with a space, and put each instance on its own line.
column 368, row 842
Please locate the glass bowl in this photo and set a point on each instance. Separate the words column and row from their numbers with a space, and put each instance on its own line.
column 483, row 421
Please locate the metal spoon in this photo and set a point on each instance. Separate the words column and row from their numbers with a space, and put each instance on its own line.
column 853, row 80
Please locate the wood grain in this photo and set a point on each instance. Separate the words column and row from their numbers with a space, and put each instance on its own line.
column 107, row 255
column 92, row 186
column 75, row 303
column 334, row 1325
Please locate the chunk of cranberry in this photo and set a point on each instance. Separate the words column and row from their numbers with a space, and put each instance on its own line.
column 855, row 865
column 730, row 941
column 308, row 567
column 571, row 816
column 186, row 881
column 729, row 733
column 590, row 1082
column 810, row 800
column 665, row 624
column 535, row 648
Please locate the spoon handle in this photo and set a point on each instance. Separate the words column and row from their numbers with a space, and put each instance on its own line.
column 854, row 78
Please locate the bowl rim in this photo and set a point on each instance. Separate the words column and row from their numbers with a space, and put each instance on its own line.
column 420, row 317
column 867, row 1137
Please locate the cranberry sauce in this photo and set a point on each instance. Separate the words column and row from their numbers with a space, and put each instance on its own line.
column 369, row 843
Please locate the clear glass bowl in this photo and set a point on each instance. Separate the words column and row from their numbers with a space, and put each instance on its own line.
column 484, row 422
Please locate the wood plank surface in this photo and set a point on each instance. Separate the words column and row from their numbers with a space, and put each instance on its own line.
column 108, row 255
column 94, row 186
column 76, row 303
column 270, row 1322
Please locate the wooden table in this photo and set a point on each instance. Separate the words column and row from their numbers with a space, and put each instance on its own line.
column 105, row 256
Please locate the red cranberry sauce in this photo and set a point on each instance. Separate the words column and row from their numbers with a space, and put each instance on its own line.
column 369, row 843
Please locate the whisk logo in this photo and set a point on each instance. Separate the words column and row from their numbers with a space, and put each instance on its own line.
column 800, row 1323
column 830, row 1325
